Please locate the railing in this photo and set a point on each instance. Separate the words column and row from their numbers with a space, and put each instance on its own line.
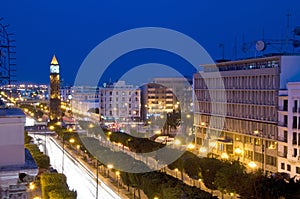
column 282, row 108
column 282, row 139
column 282, row 154
column 284, row 124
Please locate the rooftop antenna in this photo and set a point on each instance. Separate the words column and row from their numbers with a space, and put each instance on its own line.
column 288, row 15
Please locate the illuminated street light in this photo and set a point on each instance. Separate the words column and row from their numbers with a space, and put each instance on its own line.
column 224, row 156
column 191, row 146
column 203, row 150
column 51, row 128
column 72, row 140
column 118, row 176
column 238, row 151
column 109, row 166
column 252, row 165
column 177, row 142
column 31, row 186
column 176, row 170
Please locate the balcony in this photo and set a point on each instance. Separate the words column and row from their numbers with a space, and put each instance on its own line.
column 282, row 139
column 283, row 124
column 282, row 154
column 282, row 108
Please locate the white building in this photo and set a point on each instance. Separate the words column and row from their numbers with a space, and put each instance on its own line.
column 289, row 130
column 120, row 102
column 84, row 98
column 14, row 159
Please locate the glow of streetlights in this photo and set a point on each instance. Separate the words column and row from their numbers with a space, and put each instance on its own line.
column 238, row 150
column 72, row 140
column 51, row 128
column 110, row 166
column 203, row 150
column 252, row 165
column 31, row 186
column 177, row 142
column 224, row 156
column 191, row 146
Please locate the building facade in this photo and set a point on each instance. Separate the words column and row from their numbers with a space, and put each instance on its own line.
column 14, row 159
column 85, row 100
column 181, row 88
column 55, row 110
column 289, row 130
column 157, row 99
column 236, row 106
column 120, row 102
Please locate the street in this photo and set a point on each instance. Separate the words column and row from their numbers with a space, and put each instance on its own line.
column 79, row 177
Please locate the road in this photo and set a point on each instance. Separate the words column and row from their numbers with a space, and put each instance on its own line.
column 79, row 177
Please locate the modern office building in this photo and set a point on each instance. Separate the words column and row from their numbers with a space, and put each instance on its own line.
column 289, row 130
column 55, row 110
column 236, row 108
column 14, row 159
column 120, row 102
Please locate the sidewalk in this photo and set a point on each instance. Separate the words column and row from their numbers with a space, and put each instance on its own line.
column 153, row 164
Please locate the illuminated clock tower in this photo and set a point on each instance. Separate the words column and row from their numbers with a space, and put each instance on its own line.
column 55, row 111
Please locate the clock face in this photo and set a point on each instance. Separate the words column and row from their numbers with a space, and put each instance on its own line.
column 54, row 69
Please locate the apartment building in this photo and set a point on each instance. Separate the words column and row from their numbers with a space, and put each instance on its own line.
column 158, row 99
column 181, row 88
column 236, row 104
column 84, row 99
column 120, row 102
column 289, row 130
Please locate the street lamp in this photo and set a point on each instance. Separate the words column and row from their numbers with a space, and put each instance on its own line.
column 224, row 156
column 252, row 165
column 118, row 176
column 238, row 151
column 97, row 174
column 258, row 132
column 109, row 166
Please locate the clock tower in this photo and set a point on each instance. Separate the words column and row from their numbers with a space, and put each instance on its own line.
column 55, row 111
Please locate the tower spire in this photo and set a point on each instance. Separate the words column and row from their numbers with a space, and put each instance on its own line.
column 54, row 61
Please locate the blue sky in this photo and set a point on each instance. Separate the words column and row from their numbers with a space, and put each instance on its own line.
column 71, row 29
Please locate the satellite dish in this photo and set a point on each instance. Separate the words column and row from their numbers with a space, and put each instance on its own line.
column 260, row 45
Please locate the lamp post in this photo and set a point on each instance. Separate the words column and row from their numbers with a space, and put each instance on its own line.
column 97, row 174
column 109, row 166
column 118, row 176
column 63, row 154
column 263, row 165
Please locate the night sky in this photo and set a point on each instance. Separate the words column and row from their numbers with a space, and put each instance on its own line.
column 71, row 29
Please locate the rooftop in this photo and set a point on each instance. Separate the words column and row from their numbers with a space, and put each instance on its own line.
column 29, row 164
column 11, row 112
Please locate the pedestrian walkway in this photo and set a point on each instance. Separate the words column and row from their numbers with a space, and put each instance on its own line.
column 153, row 164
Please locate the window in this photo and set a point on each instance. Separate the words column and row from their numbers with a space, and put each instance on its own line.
column 298, row 170
column 282, row 166
column 288, row 167
column 295, row 122
column 295, row 153
column 285, row 138
column 294, row 138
